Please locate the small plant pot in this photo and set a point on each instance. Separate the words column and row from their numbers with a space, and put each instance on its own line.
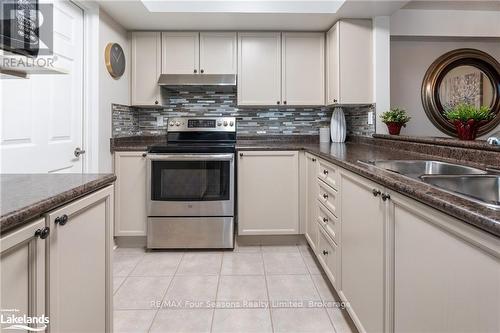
column 394, row 128
column 467, row 130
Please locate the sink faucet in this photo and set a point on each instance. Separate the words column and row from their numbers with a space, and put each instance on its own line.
column 494, row 139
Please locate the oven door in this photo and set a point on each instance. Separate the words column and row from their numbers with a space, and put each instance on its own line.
column 190, row 185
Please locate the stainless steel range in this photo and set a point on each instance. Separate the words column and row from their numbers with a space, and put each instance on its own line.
column 190, row 185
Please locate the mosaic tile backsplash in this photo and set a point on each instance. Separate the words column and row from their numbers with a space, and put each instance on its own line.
column 251, row 121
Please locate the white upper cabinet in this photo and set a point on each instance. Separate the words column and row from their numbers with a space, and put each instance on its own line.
column 349, row 62
column 146, row 68
column 180, row 52
column 259, row 68
column 218, row 52
column 303, row 70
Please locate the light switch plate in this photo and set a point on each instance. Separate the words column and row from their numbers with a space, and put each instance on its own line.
column 159, row 121
column 370, row 118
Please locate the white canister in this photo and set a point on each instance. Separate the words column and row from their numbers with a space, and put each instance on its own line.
column 324, row 134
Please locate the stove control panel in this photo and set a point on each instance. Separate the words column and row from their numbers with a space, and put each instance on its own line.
column 202, row 124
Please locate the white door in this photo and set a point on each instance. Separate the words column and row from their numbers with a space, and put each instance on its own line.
column 259, row 68
column 41, row 117
column 180, row 52
column 218, row 52
column 303, row 68
column 332, row 65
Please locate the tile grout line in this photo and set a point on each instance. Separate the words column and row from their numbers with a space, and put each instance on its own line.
column 267, row 290
column 217, row 291
column 165, row 293
column 319, row 293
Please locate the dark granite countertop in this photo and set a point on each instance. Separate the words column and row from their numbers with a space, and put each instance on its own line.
column 347, row 155
column 26, row 196
column 381, row 147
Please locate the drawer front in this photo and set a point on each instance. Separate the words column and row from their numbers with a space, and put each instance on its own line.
column 329, row 174
column 329, row 222
column 328, row 254
column 328, row 197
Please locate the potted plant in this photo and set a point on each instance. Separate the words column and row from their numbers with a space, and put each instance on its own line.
column 395, row 118
column 467, row 118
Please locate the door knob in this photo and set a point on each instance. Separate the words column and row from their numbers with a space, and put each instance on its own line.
column 61, row 220
column 78, row 151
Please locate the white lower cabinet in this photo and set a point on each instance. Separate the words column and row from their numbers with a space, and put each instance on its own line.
column 363, row 223
column 311, row 225
column 446, row 273
column 79, row 264
column 130, row 194
column 268, row 193
column 329, row 257
column 22, row 263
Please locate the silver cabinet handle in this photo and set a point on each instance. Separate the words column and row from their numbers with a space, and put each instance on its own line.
column 190, row 157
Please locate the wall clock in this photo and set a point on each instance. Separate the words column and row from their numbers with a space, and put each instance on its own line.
column 115, row 60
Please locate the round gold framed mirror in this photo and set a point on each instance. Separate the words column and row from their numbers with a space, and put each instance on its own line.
column 461, row 76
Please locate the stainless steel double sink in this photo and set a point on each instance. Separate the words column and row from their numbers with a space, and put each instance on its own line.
column 475, row 184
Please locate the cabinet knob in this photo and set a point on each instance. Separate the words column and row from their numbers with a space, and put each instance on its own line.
column 241, row 154
column 325, row 252
column 334, row 101
column 156, row 102
column 202, row 71
column 313, row 159
column 278, row 102
column 195, row 71
column 144, row 154
column 325, row 196
column 325, row 172
column 325, row 220
column 61, row 220
column 284, row 102
column 42, row 233
column 376, row 192
column 386, row 196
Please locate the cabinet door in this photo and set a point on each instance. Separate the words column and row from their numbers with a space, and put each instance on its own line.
column 311, row 201
column 363, row 219
column 332, row 65
column 303, row 69
column 355, row 69
column 329, row 255
column 146, row 68
column 442, row 282
column 180, row 52
column 218, row 53
column 130, row 194
column 80, row 297
column 268, row 183
column 259, row 68
column 22, row 262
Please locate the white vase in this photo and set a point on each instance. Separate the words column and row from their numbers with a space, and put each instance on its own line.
column 338, row 126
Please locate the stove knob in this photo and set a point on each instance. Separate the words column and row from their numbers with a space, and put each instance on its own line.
column 171, row 123
column 225, row 123
column 219, row 123
column 231, row 123
column 177, row 123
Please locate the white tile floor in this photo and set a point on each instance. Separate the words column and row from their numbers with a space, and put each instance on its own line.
column 253, row 289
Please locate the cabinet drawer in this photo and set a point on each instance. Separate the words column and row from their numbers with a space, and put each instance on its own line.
column 328, row 173
column 329, row 222
column 328, row 197
column 328, row 255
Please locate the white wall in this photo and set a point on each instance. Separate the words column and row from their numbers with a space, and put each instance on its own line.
column 110, row 90
column 418, row 37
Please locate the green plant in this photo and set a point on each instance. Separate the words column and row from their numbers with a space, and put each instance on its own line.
column 465, row 112
column 395, row 115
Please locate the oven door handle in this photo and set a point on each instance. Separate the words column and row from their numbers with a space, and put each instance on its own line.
column 190, row 157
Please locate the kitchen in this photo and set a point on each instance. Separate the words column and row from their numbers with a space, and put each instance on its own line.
column 237, row 167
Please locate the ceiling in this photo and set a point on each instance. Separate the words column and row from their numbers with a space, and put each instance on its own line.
column 242, row 14
column 480, row 5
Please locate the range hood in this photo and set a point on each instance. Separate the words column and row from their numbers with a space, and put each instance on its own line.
column 197, row 80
